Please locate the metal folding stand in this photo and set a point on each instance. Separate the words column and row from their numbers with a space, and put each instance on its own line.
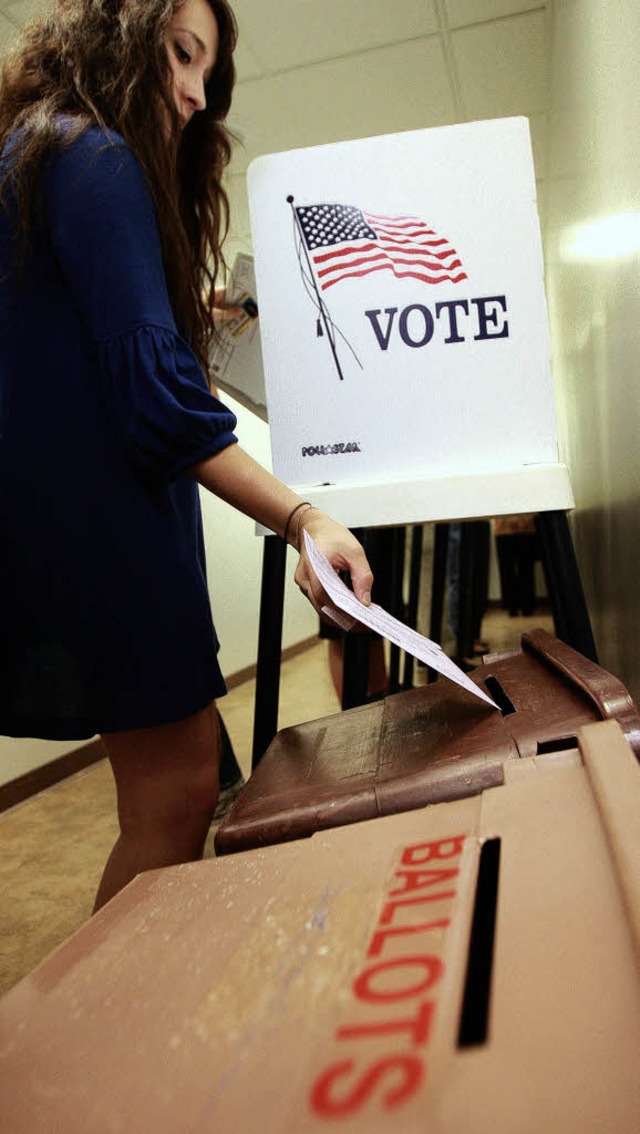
column 566, row 594
column 356, row 646
column 265, row 722
column 498, row 494
column 411, row 619
column 438, row 583
column 473, row 586
column 562, row 577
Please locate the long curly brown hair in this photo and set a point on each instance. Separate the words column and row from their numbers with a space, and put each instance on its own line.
column 105, row 62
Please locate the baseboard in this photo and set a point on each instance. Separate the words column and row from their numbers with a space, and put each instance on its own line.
column 23, row 787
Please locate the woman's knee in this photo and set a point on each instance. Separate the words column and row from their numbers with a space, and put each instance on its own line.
column 167, row 777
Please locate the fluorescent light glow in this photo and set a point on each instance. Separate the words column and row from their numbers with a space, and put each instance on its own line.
column 609, row 238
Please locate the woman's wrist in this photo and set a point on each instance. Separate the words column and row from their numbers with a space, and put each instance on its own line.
column 302, row 515
column 295, row 512
column 307, row 518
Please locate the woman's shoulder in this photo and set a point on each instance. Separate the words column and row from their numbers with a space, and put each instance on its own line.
column 70, row 136
column 79, row 142
column 92, row 156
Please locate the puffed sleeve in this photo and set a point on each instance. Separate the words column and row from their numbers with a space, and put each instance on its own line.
column 104, row 234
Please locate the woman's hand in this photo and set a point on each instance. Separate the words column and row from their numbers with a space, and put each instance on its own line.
column 223, row 311
column 343, row 552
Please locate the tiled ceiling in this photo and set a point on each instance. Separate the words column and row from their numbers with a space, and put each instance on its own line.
column 312, row 73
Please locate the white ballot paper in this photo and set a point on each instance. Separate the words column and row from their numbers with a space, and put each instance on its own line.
column 378, row 619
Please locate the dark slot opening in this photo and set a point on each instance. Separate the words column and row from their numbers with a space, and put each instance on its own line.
column 560, row 744
column 474, row 1018
column 497, row 694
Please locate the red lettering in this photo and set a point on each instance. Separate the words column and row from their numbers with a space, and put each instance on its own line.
column 386, row 917
column 419, row 1026
column 327, row 1104
column 345, row 1087
column 380, row 936
column 424, row 852
column 433, row 970
column 419, row 879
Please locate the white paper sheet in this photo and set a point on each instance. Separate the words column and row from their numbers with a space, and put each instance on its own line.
column 378, row 619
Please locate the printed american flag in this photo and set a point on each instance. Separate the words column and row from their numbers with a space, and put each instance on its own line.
column 345, row 241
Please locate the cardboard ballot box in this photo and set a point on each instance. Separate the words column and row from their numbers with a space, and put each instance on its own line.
column 424, row 746
column 467, row 968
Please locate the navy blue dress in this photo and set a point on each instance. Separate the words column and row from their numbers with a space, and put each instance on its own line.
column 105, row 621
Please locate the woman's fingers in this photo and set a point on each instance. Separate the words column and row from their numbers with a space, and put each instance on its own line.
column 361, row 576
column 223, row 311
column 307, row 581
column 344, row 552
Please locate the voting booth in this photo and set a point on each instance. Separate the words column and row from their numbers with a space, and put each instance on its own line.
column 403, row 315
column 406, row 348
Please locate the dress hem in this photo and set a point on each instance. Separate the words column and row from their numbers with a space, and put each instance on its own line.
column 34, row 730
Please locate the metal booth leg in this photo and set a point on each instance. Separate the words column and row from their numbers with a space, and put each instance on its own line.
column 355, row 670
column 355, row 659
column 473, row 575
column 396, row 603
column 414, row 597
column 438, row 581
column 265, row 723
column 356, row 646
column 568, row 604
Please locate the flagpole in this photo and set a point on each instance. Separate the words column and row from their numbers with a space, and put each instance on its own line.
column 321, row 306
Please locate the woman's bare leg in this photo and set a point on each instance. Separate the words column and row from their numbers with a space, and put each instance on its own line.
column 167, row 789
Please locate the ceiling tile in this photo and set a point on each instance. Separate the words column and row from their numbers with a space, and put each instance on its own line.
column 503, row 67
column 20, row 11
column 292, row 33
column 248, row 65
column 385, row 91
column 461, row 12
column 8, row 33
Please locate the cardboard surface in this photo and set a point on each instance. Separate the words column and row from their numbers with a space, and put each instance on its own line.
column 318, row 985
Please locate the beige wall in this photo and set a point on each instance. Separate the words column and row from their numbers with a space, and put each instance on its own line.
column 594, row 172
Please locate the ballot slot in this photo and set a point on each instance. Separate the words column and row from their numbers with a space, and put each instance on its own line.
column 557, row 744
column 476, row 1000
column 498, row 694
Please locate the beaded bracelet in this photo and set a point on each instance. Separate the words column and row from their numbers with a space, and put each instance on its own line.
column 291, row 515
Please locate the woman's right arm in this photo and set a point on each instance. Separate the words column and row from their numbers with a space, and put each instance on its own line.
column 235, row 477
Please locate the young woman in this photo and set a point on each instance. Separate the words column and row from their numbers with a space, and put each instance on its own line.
column 113, row 144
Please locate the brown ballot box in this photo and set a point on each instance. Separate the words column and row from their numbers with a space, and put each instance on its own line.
column 424, row 746
column 467, row 968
